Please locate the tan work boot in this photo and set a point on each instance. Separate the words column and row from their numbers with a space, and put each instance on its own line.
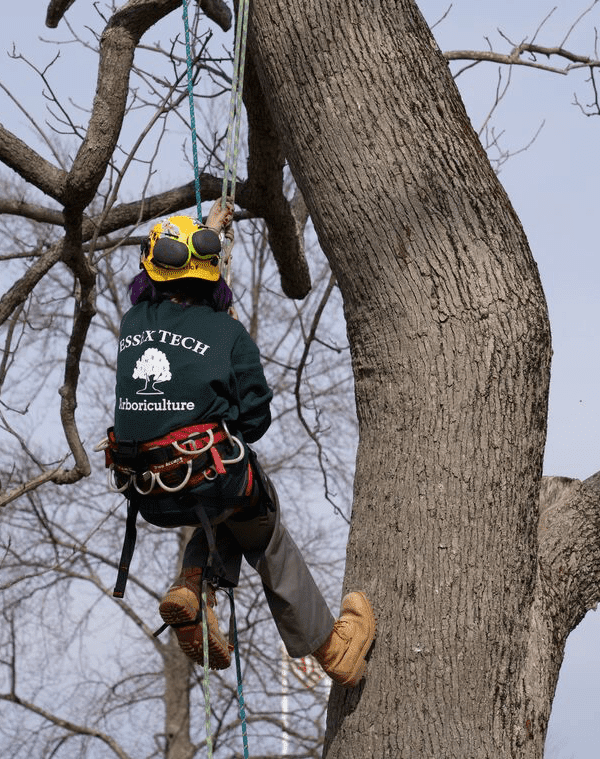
column 181, row 609
column 342, row 656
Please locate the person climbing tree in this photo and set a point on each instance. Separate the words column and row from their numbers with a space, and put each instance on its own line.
column 191, row 395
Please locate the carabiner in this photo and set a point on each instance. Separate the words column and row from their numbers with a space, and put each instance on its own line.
column 234, row 440
column 195, row 451
column 181, row 484
column 112, row 482
column 152, row 482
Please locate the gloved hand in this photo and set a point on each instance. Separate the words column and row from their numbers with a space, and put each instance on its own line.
column 219, row 217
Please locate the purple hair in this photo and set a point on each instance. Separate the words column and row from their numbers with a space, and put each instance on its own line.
column 217, row 294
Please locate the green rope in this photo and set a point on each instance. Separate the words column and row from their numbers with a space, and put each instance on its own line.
column 235, row 105
column 190, row 85
column 206, row 682
column 238, row 669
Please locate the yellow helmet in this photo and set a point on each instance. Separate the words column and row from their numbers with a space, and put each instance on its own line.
column 181, row 247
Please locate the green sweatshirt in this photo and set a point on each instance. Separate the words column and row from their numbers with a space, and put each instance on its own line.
column 180, row 365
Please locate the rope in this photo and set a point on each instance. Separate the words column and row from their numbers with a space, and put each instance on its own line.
column 190, row 86
column 238, row 669
column 205, row 681
column 235, row 105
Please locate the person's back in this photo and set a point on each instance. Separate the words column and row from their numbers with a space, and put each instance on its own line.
column 178, row 364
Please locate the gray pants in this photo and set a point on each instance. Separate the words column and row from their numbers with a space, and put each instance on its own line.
column 300, row 612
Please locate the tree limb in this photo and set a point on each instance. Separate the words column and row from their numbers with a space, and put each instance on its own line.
column 514, row 57
column 569, row 546
column 28, row 164
column 568, row 576
column 66, row 724
column 56, row 10
column 263, row 193
column 117, row 47
column 31, row 211
column 217, row 11
column 21, row 289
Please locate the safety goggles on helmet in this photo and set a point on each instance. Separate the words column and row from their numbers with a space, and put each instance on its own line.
column 175, row 253
column 181, row 247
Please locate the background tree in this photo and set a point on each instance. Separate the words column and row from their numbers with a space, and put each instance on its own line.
column 450, row 347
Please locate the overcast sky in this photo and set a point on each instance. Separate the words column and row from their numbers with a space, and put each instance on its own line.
column 554, row 188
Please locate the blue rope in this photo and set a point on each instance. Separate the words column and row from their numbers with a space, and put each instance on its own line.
column 238, row 669
column 190, row 85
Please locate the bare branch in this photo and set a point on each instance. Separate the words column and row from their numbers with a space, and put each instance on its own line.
column 56, row 10
column 19, row 292
column 30, row 211
column 67, row 725
column 217, row 11
column 117, row 47
column 514, row 57
column 31, row 166
column 310, row 338
column 30, row 485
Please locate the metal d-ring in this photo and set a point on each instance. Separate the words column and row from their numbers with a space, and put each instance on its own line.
column 152, row 482
column 181, row 485
column 112, row 482
column 196, row 451
column 233, row 441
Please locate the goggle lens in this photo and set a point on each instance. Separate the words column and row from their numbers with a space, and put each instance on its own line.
column 170, row 253
column 205, row 243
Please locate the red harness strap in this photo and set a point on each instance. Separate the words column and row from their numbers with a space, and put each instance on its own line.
column 180, row 459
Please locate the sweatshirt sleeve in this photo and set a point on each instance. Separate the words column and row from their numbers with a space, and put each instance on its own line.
column 253, row 392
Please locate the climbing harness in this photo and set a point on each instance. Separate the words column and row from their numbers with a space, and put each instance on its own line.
column 181, row 459
column 176, row 462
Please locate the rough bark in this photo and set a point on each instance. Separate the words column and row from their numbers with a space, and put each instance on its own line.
column 566, row 588
column 451, row 349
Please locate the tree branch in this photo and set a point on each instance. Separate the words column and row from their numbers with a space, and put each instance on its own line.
column 568, row 577
column 217, row 11
column 31, row 166
column 569, row 546
column 117, row 47
column 21, row 289
column 56, row 10
column 263, row 193
column 65, row 724
column 514, row 57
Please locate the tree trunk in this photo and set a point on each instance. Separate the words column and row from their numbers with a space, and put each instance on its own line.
column 178, row 670
column 450, row 344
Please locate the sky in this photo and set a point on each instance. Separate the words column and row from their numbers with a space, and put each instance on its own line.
column 553, row 185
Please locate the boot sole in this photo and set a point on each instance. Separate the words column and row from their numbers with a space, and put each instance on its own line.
column 178, row 613
column 361, row 669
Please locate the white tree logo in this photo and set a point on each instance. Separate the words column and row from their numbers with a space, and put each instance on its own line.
column 152, row 364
